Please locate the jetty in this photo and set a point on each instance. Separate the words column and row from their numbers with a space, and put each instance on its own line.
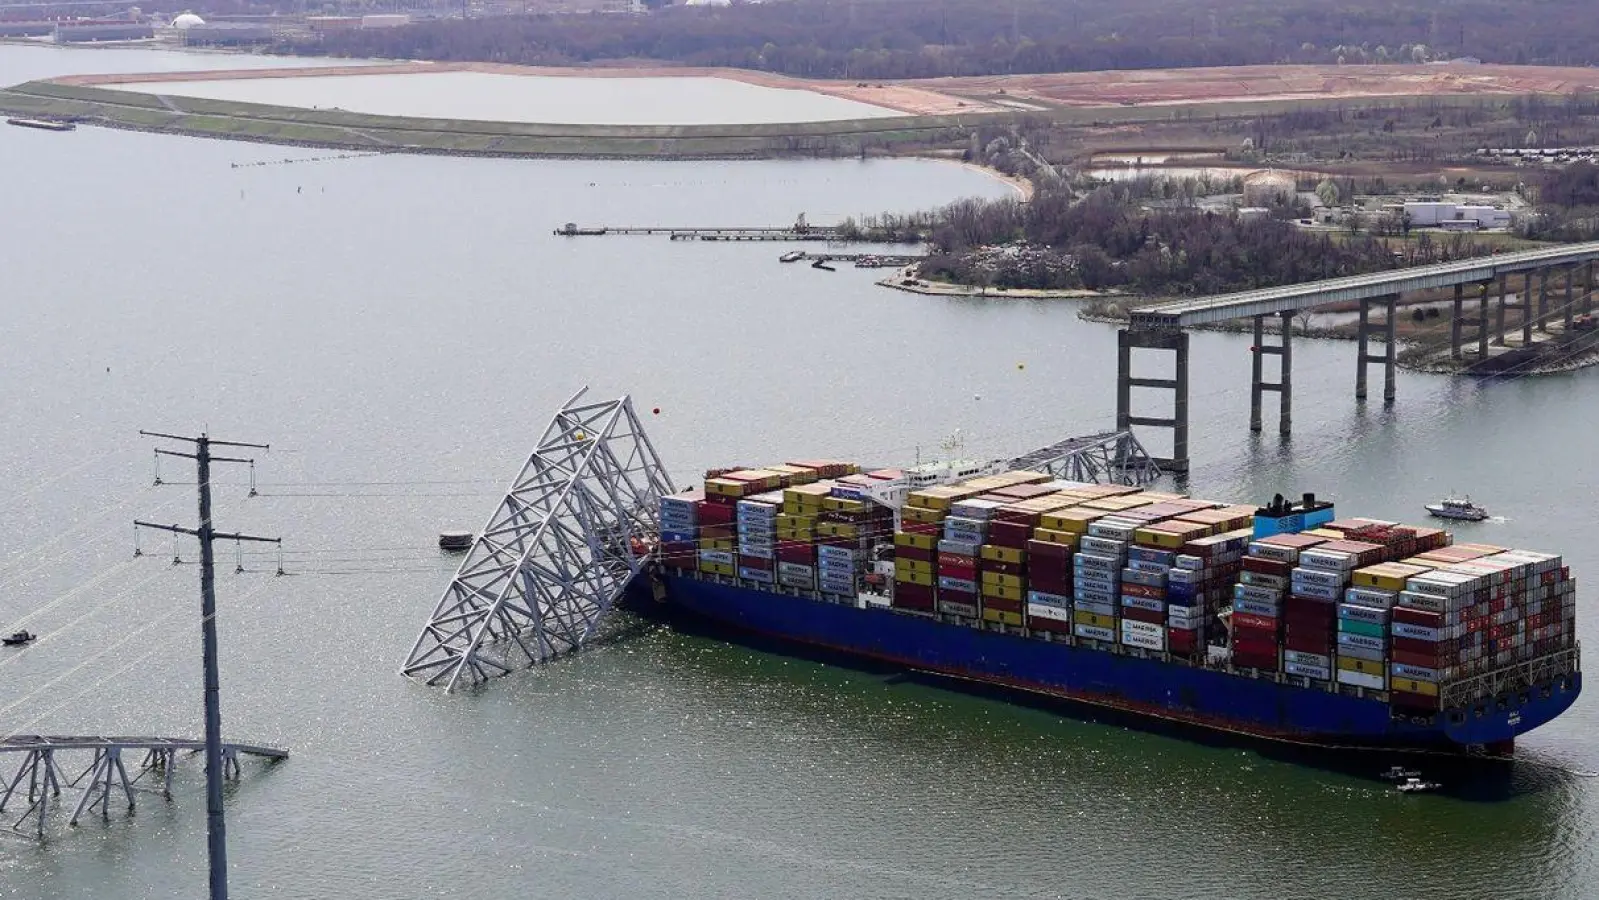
column 41, row 124
column 800, row 230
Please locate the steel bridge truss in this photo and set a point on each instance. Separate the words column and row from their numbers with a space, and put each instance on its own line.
column 1113, row 456
column 559, row 550
column 95, row 767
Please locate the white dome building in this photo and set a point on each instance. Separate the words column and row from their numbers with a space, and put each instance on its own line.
column 186, row 21
column 1268, row 188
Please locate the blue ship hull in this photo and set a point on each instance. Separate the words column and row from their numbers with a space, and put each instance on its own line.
column 1170, row 692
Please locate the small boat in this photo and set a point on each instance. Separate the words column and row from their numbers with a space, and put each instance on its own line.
column 42, row 124
column 1400, row 773
column 1417, row 786
column 822, row 264
column 19, row 638
column 1458, row 508
column 792, row 256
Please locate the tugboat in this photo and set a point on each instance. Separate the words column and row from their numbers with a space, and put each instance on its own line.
column 792, row 256
column 1417, row 786
column 19, row 638
column 1458, row 508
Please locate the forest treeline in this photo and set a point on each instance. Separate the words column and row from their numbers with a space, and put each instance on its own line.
column 1104, row 240
column 869, row 39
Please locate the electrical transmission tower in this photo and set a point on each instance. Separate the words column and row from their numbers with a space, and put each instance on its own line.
column 216, row 831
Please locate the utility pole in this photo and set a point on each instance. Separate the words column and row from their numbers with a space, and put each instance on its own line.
column 216, row 830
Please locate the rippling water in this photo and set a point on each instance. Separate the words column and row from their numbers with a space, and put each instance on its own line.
column 399, row 327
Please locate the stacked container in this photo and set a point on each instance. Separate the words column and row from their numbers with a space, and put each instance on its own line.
column 1097, row 578
column 836, row 570
column 757, row 537
column 1049, row 557
column 1261, row 601
column 959, row 559
column 915, row 572
column 1002, row 562
column 680, row 528
column 796, row 533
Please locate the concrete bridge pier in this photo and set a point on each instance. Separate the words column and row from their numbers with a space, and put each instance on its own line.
column 1527, row 311
column 1454, row 321
column 1587, row 290
column 1176, row 341
column 1284, row 384
column 1389, row 357
column 1482, row 320
column 1499, row 313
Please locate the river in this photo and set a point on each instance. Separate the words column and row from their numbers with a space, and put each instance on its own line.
column 398, row 328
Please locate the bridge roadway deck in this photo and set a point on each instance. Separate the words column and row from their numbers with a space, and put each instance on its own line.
column 30, row 742
column 1356, row 287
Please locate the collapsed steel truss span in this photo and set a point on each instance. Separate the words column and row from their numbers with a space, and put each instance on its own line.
column 49, row 765
column 1114, row 456
column 558, row 551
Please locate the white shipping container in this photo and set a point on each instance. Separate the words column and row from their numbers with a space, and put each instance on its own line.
column 1307, row 659
column 723, row 557
column 1145, row 641
column 1130, row 626
column 1321, row 673
column 788, row 568
column 1361, row 679
column 759, row 551
column 1048, row 611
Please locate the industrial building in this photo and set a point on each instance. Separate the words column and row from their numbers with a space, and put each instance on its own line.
column 1454, row 216
column 226, row 34
column 88, row 32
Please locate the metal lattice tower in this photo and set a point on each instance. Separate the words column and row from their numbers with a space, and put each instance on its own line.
column 557, row 553
column 1114, row 456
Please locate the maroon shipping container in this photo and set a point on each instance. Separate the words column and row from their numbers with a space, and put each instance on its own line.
column 717, row 531
column 796, row 552
column 1039, row 623
column 715, row 513
column 956, row 559
column 1023, row 491
column 1407, row 700
column 1181, row 640
column 1253, row 660
column 916, row 553
column 1053, row 567
column 756, row 562
column 1002, row 568
column 1249, row 621
column 965, row 573
column 1424, row 660
column 1267, row 567
column 930, row 528
column 1414, row 645
column 1040, row 550
column 1009, row 534
column 1143, row 615
column 968, row 597
column 1049, row 584
column 1017, row 516
column 914, row 592
column 1144, row 590
column 1245, row 643
column 1001, row 604
column 1418, row 617
column 1319, row 644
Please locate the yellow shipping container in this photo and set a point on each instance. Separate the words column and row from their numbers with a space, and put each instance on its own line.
column 1065, row 538
column 836, row 529
column 844, row 504
column 1118, row 504
column 1002, row 617
column 1414, row 686
column 1075, row 520
column 810, row 494
column 1002, row 554
column 1387, row 576
column 925, row 579
column 914, row 565
column 1210, row 527
column 794, row 520
column 716, row 543
column 1082, row 617
column 801, row 533
column 1365, row 666
column 727, row 487
column 1001, row 592
column 919, row 541
column 797, row 474
column 923, row 516
column 716, row 568
column 1330, row 534
column 1002, row 580
column 765, row 478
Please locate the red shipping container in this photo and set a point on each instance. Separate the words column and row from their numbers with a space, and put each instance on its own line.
column 1413, row 645
column 1310, row 620
column 715, row 513
column 1144, row 590
column 717, row 531
column 1267, row 566
column 916, row 553
column 932, row 528
column 1143, row 615
column 1009, row 534
column 968, row 597
column 1001, row 568
column 1424, row 660
column 756, row 562
column 1017, row 516
column 913, row 591
column 1255, row 660
column 965, row 573
column 794, row 552
column 1247, row 621
column 1049, row 573
column 956, row 559
column 1037, row 549
column 1181, row 640
column 1321, row 645
column 1001, row 604
column 1418, row 617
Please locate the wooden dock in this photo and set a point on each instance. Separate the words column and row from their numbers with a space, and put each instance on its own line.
column 691, row 233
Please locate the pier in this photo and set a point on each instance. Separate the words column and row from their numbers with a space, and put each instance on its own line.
column 1161, row 327
column 800, row 230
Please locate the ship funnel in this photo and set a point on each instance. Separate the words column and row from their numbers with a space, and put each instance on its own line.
column 1310, row 500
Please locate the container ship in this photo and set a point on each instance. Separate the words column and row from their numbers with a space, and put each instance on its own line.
column 1280, row 622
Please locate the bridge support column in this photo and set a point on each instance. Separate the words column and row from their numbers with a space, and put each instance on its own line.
column 1543, row 300
column 1128, row 340
column 1499, row 314
column 1566, row 308
column 1389, row 331
column 1587, row 289
column 1454, row 321
column 1527, row 313
column 1482, row 320
column 1283, row 386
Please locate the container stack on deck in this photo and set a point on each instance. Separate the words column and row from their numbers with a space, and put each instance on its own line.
column 1344, row 605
